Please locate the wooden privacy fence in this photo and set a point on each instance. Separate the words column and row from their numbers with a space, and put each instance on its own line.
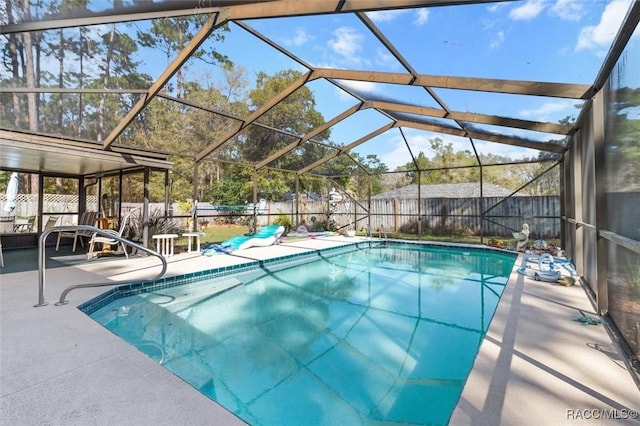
column 436, row 215
column 439, row 215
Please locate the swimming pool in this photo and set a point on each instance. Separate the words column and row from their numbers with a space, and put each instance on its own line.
column 357, row 335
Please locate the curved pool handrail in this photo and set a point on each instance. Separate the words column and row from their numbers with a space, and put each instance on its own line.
column 42, row 259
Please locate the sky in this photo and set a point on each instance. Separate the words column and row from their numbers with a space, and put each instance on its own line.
column 534, row 40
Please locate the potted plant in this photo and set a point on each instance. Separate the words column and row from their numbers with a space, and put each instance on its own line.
column 157, row 223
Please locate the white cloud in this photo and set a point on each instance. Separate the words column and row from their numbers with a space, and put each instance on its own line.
column 346, row 42
column 599, row 36
column 383, row 57
column 422, row 16
column 419, row 141
column 301, row 37
column 344, row 96
column 385, row 15
column 527, row 11
column 398, row 155
column 362, row 86
column 496, row 7
column 550, row 111
column 569, row 10
column 497, row 40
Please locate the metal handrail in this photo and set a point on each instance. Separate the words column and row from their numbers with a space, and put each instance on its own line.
column 107, row 233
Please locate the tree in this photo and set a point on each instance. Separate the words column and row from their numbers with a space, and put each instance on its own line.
column 171, row 35
column 296, row 114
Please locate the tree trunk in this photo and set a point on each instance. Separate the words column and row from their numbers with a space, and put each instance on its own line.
column 105, row 82
column 30, row 81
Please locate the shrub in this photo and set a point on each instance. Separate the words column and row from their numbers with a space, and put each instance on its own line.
column 284, row 220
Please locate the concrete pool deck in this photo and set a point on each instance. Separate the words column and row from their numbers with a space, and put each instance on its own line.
column 58, row 367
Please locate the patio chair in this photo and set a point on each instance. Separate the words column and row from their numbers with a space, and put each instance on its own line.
column 24, row 225
column 105, row 241
column 86, row 218
column 51, row 222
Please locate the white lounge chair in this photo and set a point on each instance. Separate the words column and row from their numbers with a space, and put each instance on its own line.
column 86, row 218
column 266, row 236
column 103, row 240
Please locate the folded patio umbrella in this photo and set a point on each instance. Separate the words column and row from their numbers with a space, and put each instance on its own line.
column 12, row 191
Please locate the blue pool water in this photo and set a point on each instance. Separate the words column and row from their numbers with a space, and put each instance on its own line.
column 375, row 335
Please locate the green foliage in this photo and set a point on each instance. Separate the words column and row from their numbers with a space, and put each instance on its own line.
column 449, row 166
column 234, row 188
column 158, row 224
column 284, row 220
column 295, row 114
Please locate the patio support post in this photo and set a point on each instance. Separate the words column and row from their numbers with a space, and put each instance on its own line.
column 82, row 195
column 419, row 206
column 166, row 194
column 369, row 206
column 194, row 195
column 481, row 205
column 255, row 200
column 40, row 201
column 297, row 217
column 328, row 207
column 145, row 208
column 120, row 186
column 602, row 255
column 563, row 197
column 99, row 177
column 578, row 230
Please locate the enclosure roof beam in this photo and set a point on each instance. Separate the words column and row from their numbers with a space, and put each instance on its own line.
column 506, row 140
column 338, row 118
column 64, row 90
column 112, row 16
column 282, row 8
column 254, row 116
column 517, row 87
column 166, row 75
column 495, row 120
column 345, row 149
column 240, row 9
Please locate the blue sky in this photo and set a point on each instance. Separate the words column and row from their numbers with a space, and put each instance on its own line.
column 536, row 40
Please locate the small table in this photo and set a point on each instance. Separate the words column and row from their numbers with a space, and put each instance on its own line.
column 193, row 236
column 164, row 243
